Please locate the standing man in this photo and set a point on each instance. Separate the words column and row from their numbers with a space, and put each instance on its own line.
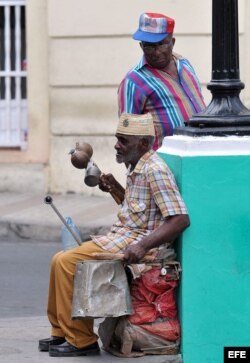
column 153, row 213
column 162, row 83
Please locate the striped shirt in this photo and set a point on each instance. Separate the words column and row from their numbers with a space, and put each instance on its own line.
column 170, row 101
column 151, row 196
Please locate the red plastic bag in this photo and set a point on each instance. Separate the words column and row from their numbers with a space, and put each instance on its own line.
column 140, row 292
column 146, row 304
column 143, row 313
column 156, row 283
column 165, row 303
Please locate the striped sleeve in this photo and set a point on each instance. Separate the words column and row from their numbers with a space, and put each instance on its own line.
column 192, row 71
column 130, row 97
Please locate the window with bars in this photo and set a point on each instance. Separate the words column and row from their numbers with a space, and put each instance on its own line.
column 13, row 74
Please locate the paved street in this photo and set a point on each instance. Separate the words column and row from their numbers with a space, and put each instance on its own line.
column 24, row 270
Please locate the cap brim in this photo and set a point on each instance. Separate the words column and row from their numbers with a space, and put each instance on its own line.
column 149, row 37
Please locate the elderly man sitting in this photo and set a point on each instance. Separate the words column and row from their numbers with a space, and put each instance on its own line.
column 152, row 213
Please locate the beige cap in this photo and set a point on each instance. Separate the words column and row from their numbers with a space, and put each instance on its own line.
column 131, row 124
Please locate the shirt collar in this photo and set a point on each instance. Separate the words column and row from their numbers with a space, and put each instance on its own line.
column 143, row 62
column 141, row 162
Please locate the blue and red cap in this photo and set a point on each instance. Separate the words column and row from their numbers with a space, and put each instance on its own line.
column 153, row 27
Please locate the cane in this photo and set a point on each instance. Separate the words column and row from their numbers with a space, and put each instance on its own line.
column 49, row 200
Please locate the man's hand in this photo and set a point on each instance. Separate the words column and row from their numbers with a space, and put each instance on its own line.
column 106, row 182
column 167, row 232
column 109, row 184
column 134, row 253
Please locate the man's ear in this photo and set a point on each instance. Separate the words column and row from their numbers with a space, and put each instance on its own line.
column 144, row 143
column 173, row 42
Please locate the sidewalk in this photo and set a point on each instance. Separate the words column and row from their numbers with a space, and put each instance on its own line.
column 27, row 216
column 19, row 344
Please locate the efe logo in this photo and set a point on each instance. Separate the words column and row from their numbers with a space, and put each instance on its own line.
column 236, row 354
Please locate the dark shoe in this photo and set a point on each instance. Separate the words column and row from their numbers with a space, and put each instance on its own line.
column 44, row 344
column 68, row 350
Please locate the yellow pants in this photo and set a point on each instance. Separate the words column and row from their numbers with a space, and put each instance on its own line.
column 77, row 332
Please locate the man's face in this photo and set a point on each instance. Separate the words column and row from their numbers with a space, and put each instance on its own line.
column 128, row 149
column 158, row 55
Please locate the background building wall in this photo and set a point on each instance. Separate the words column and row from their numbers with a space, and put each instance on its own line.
column 23, row 170
column 78, row 52
column 88, row 58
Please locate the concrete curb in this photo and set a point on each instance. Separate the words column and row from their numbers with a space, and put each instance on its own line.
column 28, row 217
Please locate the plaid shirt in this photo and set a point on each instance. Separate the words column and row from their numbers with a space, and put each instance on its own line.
column 151, row 196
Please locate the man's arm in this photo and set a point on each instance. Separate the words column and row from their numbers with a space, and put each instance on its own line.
column 167, row 232
column 108, row 183
column 130, row 97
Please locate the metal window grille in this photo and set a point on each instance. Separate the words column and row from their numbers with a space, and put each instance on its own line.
column 13, row 98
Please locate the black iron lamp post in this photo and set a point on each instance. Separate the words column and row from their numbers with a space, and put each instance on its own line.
column 225, row 115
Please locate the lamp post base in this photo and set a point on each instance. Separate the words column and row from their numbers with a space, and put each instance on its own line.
column 215, row 131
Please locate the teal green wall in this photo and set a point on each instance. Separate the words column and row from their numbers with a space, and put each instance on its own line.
column 214, row 254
